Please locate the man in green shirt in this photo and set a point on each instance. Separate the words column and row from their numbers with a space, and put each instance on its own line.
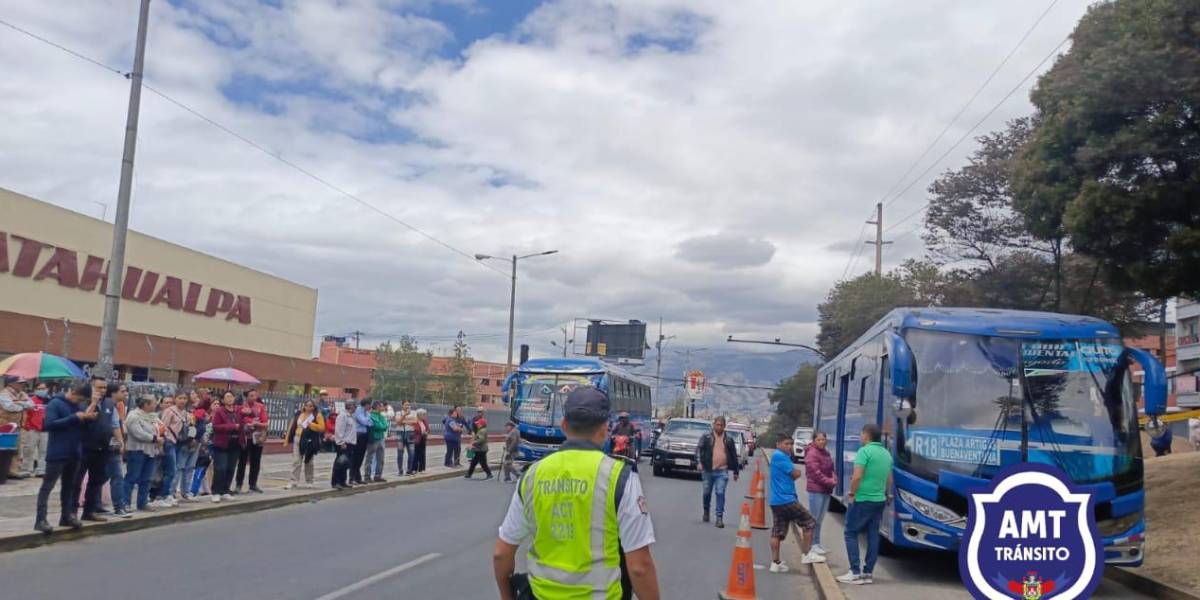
column 870, row 491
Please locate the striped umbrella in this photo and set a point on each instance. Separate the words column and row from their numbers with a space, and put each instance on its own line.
column 227, row 375
column 40, row 365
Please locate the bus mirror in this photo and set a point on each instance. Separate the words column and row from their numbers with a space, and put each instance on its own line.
column 1154, row 383
column 901, row 363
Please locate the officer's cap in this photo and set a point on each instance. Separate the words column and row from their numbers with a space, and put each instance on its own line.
column 586, row 404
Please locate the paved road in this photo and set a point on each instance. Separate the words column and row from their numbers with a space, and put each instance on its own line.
column 917, row 574
column 428, row 541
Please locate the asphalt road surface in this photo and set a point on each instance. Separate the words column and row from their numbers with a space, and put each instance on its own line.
column 432, row 540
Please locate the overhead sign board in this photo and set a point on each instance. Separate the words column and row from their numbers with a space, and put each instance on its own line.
column 693, row 382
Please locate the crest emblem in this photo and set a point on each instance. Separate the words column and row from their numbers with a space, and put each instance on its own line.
column 1031, row 535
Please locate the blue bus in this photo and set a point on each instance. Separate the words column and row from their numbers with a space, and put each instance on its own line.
column 961, row 392
column 539, row 387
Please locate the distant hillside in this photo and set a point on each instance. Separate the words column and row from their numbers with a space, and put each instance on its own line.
column 729, row 365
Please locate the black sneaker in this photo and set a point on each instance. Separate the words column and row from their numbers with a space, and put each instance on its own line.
column 103, row 511
column 43, row 527
column 94, row 518
column 705, row 518
column 70, row 521
column 720, row 524
column 122, row 514
column 254, row 489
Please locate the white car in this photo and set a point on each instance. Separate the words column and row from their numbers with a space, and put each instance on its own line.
column 743, row 449
column 801, row 438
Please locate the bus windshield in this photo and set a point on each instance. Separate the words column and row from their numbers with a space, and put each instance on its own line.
column 977, row 398
column 540, row 397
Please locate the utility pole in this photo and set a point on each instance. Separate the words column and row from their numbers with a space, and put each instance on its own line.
column 357, row 338
column 878, row 243
column 116, row 260
column 512, row 312
column 66, row 338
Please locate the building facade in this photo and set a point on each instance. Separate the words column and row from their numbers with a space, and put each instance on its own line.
column 1187, row 337
column 488, row 376
column 1151, row 343
column 182, row 311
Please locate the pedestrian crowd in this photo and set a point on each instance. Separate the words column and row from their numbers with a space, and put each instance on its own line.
column 153, row 454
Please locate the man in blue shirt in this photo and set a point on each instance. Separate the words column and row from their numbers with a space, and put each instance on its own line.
column 786, row 508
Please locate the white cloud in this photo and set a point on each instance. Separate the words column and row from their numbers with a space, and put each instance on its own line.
column 614, row 131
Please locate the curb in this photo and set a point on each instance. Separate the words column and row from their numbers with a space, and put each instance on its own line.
column 827, row 587
column 26, row 541
column 1146, row 585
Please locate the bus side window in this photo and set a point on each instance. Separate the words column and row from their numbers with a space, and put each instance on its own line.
column 862, row 392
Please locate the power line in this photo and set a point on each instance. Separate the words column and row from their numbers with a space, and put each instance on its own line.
column 259, row 147
column 964, row 108
column 850, row 264
column 968, row 133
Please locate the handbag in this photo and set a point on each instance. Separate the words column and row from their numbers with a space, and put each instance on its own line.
column 310, row 442
column 470, row 453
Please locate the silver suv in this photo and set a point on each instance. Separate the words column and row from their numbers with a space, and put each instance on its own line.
column 801, row 438
column 676, row 446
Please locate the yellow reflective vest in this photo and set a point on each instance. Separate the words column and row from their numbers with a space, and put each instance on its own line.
column 570, row 498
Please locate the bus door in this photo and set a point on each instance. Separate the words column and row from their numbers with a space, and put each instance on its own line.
column 839, row 462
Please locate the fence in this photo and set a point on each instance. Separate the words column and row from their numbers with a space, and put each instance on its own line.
column 281, row 408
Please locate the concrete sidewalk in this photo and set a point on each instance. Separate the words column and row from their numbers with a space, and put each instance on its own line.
column 18, row 498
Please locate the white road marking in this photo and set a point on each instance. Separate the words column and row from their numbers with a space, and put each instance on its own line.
column 376, row 578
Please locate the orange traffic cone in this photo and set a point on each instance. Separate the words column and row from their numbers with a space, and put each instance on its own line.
column 758, row 515
column 741, row 570
column 754, row 481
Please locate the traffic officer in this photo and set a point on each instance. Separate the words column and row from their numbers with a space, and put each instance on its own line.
column 585, row 516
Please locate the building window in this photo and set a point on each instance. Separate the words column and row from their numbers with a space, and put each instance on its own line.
column 485, row 381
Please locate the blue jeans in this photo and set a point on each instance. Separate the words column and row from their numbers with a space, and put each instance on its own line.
column 115, row 469
column 168, row 470
column 863, row 517
column 404, row 444
column 139, row 468
column 185, row 463
column 818, row 505
column 715, row 479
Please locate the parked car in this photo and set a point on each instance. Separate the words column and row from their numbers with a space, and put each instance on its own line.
column 747, row 431
column 801, row 438
column 675, row 448
column 743, row 449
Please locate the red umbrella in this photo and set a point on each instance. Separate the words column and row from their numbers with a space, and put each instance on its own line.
column 227, row 375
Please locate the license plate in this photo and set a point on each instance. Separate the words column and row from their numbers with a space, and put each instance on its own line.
column 683, row 462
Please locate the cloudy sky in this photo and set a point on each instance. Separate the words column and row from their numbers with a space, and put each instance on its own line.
column 708, row 161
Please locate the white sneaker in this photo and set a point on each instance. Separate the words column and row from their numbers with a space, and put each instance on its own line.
column 289, row 486
column 778, row 567
column 216, row 499
column 868, row 578
column 850, row 578
column 819, row 549
column 812, row 557
column 227, row 497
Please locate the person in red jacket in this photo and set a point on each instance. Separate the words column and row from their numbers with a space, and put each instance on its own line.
column 820, row 481
column 253, row 415
column 227, row 431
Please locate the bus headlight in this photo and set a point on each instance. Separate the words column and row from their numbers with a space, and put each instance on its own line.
column 1119, row 525
column 934, row 511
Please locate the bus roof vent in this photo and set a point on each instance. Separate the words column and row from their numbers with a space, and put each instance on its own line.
column 1018, row 331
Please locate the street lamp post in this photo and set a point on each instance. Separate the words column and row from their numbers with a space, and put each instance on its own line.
column 512, row 298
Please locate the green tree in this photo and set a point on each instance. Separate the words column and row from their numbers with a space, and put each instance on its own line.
column 793, row 400
column 459, row 385
column 853, row 305
column 402, row 371
column 1115, row 159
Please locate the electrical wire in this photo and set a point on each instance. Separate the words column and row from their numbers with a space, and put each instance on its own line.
column 968, row 133
column 257, row 146
column 965, row 106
